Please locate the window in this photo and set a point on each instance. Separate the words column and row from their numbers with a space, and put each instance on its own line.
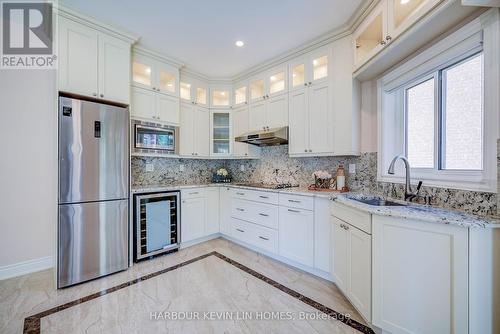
column 440, row 110
column 457, row 116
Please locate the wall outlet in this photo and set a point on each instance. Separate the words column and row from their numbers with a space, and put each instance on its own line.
column 352, row 168
column 242, row 167
column 149, row 167
column 181, row 168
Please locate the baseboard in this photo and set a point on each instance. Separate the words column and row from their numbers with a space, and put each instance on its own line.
column 199, row 241
column 316, row 272
column 26, row 267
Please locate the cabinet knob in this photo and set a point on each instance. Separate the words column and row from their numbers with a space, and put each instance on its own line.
column 102, row 95
column 310, row 83
column 383, row 43
column 267, row 96
column 388, row 38
column 264, row 97
column 94, row 94
column 305, row 84
column 310, row 150
column 305, row 150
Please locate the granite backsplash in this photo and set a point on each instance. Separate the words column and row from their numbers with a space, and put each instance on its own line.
column 275, row 166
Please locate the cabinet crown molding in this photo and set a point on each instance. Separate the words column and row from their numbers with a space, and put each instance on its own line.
column 139, row 49
column 73, row 15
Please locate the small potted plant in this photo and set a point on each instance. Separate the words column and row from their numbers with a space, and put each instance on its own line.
column 322, row 179
column 221, row 176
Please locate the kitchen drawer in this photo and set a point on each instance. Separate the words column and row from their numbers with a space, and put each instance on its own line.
column 361, row 220
column 240, row 230
column 297, row 201
column 192, row 193
column 258, row 213
column 255, row 195
column 255, row 235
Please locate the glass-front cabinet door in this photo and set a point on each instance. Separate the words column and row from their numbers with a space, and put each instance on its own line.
column 221, row 132
column 257, row 90
column 201, row 96
column 185, row 91
column 309, row 69
column 276, row 82
column 402, row 14
column 221, row 98
column 154, row 75
column 370, row 36
column 240, row 95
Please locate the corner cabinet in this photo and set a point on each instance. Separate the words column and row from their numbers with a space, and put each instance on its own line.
column 420, row 276
column 311, row 114
column 388, row 20
column 194, row 131
column 93, row 63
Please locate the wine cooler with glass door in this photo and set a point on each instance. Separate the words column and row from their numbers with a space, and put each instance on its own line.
column 156, row 224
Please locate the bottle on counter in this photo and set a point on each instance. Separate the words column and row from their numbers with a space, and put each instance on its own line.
column 340, row 178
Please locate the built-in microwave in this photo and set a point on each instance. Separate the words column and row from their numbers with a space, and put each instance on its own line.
column 153, row 138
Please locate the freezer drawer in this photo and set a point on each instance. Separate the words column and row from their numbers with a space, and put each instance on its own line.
column 93, row 151
column 93, row 240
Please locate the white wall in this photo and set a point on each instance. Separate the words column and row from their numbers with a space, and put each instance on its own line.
column 28, row 170
column 369, row 116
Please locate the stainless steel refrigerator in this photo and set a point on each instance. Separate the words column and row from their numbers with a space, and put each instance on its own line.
column 93, row 190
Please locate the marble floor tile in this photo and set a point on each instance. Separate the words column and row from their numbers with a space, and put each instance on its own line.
column 206, row 285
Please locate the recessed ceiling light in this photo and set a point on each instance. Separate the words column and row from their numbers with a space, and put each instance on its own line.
column 239, row 43
column 404, row 2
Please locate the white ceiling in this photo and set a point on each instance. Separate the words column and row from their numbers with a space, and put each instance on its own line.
column 201, row 33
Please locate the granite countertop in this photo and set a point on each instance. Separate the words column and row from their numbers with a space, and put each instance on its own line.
column 413, row 211
column 420, row 212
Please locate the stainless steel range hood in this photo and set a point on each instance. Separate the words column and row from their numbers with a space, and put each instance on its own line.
column 269, row 137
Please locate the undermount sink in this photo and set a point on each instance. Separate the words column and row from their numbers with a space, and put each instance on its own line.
column 376, row 201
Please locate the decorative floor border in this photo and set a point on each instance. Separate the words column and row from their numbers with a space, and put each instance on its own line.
column 32, row 324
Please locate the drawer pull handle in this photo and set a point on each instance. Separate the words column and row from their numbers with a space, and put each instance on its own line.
column 295, row 211
column 240, row 230
column 265, row 197
column 241, row 194
column 263, row 238
column 293, row 201
column 195, row 193
column 263, row 215
column 240, row 209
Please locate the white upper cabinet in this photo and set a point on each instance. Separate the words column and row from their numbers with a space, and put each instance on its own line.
column 310, row 110
column 155, row 89
column 153, row 74
column 220, row 96
column 194, row 131
column 93, row 63
column 221, row 137
column 240, row 94
column 311, row 69
column 388, row 20
column 194, row 91
column 268, row 84
column 241, row 126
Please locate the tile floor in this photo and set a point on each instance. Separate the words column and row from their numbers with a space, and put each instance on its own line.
column 209, row 284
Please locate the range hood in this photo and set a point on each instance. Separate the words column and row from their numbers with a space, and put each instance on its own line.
column 269, row 137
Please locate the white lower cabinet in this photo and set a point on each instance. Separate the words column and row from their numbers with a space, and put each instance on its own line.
column 225, row 211
column 212, row 222
column 199, row 213
column 193, row 216
column 351, row 263
column 420, row 277
column 296, row 235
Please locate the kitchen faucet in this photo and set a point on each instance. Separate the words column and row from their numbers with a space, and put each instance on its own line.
column 409, row 194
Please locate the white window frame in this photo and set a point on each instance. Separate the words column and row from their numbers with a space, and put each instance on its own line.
column 480, row 35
